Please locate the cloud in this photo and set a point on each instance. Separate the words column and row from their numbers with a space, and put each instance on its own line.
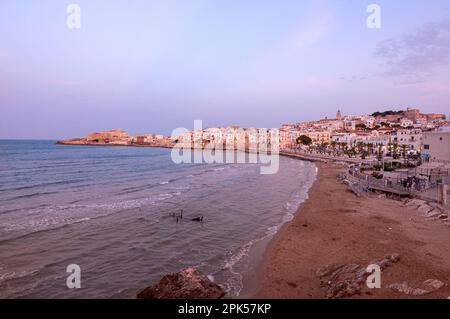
column 417, row 54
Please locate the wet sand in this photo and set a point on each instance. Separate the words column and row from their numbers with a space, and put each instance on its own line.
column 334, row 226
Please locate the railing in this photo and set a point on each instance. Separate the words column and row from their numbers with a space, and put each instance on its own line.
column 321, row 156
column 387, row 185
column 429, row 193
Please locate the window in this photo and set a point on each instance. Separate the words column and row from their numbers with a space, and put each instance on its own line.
column 427, row 147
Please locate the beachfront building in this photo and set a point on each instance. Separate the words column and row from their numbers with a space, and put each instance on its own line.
column 436, row 146
column 411, row 138
column 371, row 137
column 343, row 137
column 379, row 140
column 319, row 137
column 288, row 138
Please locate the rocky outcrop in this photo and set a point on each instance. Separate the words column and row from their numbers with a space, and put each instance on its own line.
column 75, row 141
column 430, row 210
column 428, row 286
column 121, row 138
column 108, row 136
column 346, row 280
column 186, row 284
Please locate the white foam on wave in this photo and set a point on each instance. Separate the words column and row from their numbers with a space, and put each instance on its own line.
column 234, row 284
column 6, row 276
column 53, row 217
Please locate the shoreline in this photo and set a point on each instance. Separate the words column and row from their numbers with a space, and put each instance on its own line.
column 333, row 226
column 64, row 143
column 261, row 253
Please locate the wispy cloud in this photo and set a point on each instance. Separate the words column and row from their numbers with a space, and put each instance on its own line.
column 417, row 54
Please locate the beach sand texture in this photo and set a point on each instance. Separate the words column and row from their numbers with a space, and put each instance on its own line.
column 334, row 226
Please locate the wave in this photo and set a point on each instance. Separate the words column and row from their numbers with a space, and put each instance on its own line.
column 27, row 196
column 52, row 217
column 234, row 284
column 7, row 276
column 20, row 188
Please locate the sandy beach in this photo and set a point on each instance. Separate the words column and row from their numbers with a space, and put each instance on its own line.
column 335, row 227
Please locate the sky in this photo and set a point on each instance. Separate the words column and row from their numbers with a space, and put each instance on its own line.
column 153, row 66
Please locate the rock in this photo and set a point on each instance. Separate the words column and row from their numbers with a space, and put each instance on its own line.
column 434, row 284
column 387, row 260
column 428, row 286
column 346, row 280
column 443, row 217
column 186, row 284
column 415, row 203
column 424, row 209
column 434, row 204
column 434, row 213
column 108, row 135
column 407, row 290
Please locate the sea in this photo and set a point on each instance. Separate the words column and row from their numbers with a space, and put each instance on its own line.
column 110, row 210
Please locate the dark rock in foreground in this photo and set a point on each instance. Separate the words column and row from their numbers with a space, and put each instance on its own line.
column 186, row 284
column 346, row 280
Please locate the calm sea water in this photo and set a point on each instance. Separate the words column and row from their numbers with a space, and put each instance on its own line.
column 108, row 209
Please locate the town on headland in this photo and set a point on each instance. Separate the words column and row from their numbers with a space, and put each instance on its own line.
column 400, row 134
column 398, row 152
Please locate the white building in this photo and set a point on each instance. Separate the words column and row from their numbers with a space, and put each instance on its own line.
column 412, row 138
column 404, row 122
column 349, row 125
column 436, row 146
column 347, row 138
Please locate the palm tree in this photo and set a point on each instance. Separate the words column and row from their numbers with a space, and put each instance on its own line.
column 359, row 147
column 304, row 140
column 370, row 148
column 404, row 151
column 380, row 152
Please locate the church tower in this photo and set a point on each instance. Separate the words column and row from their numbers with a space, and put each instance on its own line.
column 339, row 115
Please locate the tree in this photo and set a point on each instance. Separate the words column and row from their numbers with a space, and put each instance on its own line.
column 360, row 147
column 370, row 147
column 394, row 151
column 380, row 152
column 304, row 140
column 404, row 151
column 361, row 126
